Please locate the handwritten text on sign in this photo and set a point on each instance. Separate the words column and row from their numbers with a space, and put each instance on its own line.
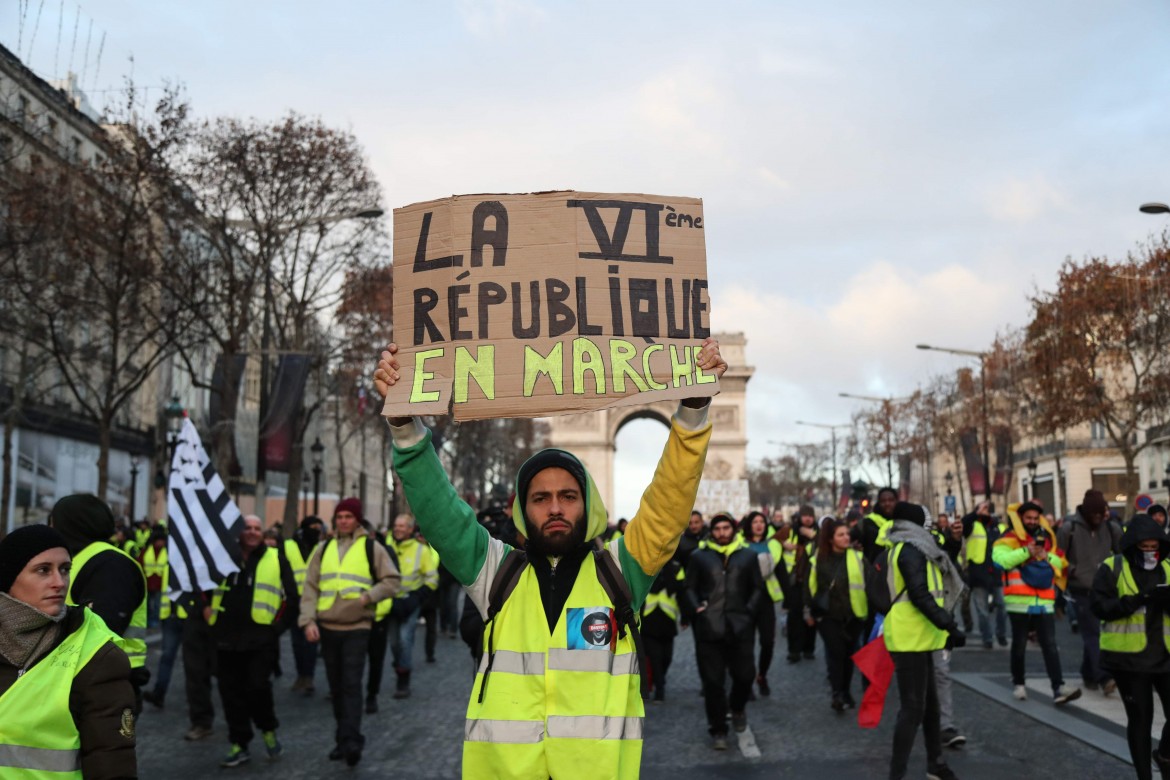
column 557, row 302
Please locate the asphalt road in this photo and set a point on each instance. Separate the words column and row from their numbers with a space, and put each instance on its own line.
column 797, row 733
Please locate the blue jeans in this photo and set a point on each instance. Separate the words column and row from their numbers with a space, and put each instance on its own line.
column 1090, row 627
column 983, row 601
column 172, row 639
column 401, row 636
column 153, row 605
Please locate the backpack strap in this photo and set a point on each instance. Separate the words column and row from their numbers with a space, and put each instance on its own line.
column 505, row 581
column 618, row 590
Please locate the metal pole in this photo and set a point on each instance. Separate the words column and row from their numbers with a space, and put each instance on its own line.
column 889, row 447
column 261, row 502
column 836, row 494
column 986, row 432
column 133, row 490
column 316, row 488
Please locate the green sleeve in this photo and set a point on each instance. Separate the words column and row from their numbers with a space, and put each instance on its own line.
column 1006, row 558
column 446, row 520
column 638, row 580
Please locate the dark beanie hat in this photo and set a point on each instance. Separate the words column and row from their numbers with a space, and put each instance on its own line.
column 1155, row 509
column 82, row 519
column 311, row 521
column 547, row 459
column 351, row 505
column 723, row 517
column 1094, row 503
column 912, row 513
column 1029, row 506
column 21, row 546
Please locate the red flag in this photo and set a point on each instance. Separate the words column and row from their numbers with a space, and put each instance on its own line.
column 875, row 663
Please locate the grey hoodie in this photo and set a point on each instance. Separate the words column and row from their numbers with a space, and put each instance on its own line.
column 1086, row 548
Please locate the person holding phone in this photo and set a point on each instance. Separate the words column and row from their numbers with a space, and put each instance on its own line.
column 1131, row 596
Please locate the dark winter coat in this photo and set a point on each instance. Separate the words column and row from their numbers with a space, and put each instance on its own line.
column 1108, row 605
column 730, row 588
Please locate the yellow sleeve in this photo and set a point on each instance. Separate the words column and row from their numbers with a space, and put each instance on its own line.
column 652, row 535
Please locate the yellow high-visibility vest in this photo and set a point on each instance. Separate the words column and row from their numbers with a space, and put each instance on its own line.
column 348, row 578
column 154, row 564
column 1128, row 634
column 906, row 629
column 853, row 566
column 40, row 741
column 267, row 594
column 555, row 705
column 292, row 551
column 133, row 642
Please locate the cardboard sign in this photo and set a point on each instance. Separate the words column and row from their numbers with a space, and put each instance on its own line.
column 548, row 303
column 723, row 495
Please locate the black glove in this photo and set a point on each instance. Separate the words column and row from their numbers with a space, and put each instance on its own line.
column 1132, row 604
column 958, row 639
column 1160, row 596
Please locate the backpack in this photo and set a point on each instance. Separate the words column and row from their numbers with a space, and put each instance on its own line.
column 612, row 581
column 879, row 583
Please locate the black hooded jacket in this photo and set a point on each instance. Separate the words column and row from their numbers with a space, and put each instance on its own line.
column 110, row 584
column 730, row 586
column 1107, row 604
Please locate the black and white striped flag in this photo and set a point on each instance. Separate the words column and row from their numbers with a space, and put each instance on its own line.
column 204, row 521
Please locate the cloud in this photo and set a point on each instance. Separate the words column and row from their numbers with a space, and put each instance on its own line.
column 1023, row 200
column 487, row 18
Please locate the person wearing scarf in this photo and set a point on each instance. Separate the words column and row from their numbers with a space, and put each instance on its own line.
column 66, row 702
column 1131, row 596
column 722, row 597
column 924, row 589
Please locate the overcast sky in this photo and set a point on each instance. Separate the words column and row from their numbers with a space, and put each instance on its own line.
column 874, row 174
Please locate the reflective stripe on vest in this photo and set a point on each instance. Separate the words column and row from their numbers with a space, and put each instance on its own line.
column 776, row 551
column 976, row 549
column 906, row 629
column 663, row 601
column 37, row 741
column 554, row 703
column 1128, row 634
column 296, row 561
column 133, row 640
column 410, row 565
column 1014, row 585
column 857, row 600
column 266, row 591
column 348, row 578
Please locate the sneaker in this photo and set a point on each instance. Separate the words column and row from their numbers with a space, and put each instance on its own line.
column 272, row 744
column 196, row 733
column 940, row 772
column 719, row 741
column 762, row 684
column 1002, row 641
column 236, row 756
column 739, row 721
column 1109, row 686
column 1020, row 692
column 1064, row 694
column 952, row 738
column 837, row 703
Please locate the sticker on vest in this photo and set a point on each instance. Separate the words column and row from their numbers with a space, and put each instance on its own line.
column 590, row 628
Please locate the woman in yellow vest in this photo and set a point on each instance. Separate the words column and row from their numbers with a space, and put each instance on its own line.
column 1130, row 597
column 836, row 605
column 66, row 703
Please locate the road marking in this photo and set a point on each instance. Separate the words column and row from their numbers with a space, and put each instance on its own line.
column 747, row 743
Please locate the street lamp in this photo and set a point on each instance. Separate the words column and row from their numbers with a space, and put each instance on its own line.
column 1154, row 208
column 318, row 450
column 833, row 437
column 133, row 484
column 886, row 404
column 175, row 414
column 982, row 356
column 949, row 478
column 1032, row 467
column 372, row 212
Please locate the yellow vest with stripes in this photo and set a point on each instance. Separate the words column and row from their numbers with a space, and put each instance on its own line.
column 267, row 594
column 776, row 550
column 553, row 705
column 154, row 564
column 853, row 566
column 348, row 578
column 39, row 740
column 292, row 551
column 906, row 629
column 1128, row 634
column 663, row 600
column 133, row 642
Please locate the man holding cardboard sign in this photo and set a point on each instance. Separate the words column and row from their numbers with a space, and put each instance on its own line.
column 558, row 687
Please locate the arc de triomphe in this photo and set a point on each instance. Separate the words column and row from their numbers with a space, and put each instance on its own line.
column 591, row 435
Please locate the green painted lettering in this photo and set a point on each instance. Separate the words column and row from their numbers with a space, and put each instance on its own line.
column 620, row 354
column 552, row 366
column 421, row 375
column 481, row 368
column 587, row 357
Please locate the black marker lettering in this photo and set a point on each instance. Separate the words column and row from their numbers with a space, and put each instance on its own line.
column 561, row 319
column 490, row 294
column 583, row 326
column 644, row 307
column 497, row 238
column 533, row 329
column 425, row 300
column 420, row 254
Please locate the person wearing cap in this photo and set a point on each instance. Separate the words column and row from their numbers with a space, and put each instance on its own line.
column 722, row 599
column 104, row 578
column 66, row 702
column 298, row 550
column 925, row 586
column 1034, row 568
column 546, row 702
column 1130, row 597
column 347, row 578
column 1088, row 539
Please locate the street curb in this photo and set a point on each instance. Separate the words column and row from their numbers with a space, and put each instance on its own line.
column 1039, row 708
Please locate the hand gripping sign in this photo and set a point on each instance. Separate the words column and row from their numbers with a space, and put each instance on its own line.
column 548, row 303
